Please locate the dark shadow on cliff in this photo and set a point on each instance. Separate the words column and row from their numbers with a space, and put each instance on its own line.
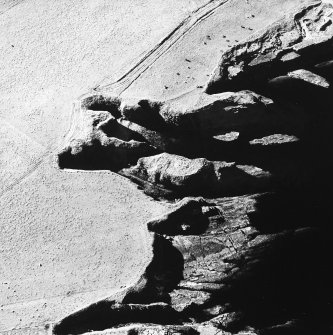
column 144, row 303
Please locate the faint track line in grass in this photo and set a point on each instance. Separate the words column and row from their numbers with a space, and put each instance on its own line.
column 196, row 17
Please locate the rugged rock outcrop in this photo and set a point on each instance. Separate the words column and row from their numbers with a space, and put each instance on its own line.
column 233, row 265
column 193, row 176
column 299, row 39
column 101, row 142
column 218, row 113
column 255, row 263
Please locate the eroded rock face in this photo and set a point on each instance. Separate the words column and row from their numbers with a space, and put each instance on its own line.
column 192, row 176
column 310, row 78
column 299, row 38
column 94, row 148
column 237, row 265
column 228, row 258
column 214, row 114
column 200, row 114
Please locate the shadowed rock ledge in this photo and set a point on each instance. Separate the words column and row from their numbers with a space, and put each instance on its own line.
column 244, row 244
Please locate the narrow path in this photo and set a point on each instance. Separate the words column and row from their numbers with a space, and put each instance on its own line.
column 162, row 47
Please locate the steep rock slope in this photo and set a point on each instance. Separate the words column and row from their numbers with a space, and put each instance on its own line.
column 237, row 260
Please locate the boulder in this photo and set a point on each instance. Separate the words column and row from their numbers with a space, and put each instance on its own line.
column 209, row 115
column 191, row 176
column 175, row 172
column 276, row 139
column 161, row 141
column 187, row 217
column 309, row 77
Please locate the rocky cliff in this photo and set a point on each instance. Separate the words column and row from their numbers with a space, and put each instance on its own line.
column 244, row 168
